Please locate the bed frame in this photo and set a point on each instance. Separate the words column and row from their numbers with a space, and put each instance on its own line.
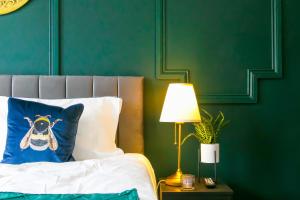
column 130, row 89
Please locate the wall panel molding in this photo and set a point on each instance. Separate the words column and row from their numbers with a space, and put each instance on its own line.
column 162, row 72
column 54, row 43
column 253, row 73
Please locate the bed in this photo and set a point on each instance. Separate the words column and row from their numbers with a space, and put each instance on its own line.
column 117, row 173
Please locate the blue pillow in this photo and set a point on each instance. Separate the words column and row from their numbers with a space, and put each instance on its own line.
column 38, row 132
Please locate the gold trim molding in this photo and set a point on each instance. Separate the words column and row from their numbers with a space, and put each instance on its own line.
column 8, row 6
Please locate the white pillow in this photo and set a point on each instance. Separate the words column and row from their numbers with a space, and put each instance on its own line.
column 3, row 124
column 87, row 154
column 96, row 129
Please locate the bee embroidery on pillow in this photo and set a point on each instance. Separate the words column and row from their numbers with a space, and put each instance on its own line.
column 40, row 135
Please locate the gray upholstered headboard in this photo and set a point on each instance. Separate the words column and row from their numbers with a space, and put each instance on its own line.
column 130, row 89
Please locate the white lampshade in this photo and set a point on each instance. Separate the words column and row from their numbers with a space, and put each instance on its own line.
column 180, row 104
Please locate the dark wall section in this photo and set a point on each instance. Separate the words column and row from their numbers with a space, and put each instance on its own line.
column 216, row 40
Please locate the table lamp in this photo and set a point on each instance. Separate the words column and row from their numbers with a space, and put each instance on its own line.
column 180, row 106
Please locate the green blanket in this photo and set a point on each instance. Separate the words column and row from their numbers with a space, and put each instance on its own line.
column 126, row 195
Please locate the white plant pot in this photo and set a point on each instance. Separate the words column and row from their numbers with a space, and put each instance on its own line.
column 208, row 153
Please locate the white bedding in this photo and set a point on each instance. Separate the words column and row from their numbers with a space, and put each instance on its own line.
column 108, row 175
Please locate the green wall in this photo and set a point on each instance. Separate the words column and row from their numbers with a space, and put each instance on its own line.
column 242, row 56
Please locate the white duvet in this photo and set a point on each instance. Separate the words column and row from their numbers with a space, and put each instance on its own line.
column 108, row 175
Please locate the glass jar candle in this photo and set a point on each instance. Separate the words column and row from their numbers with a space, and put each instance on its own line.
column 187, row 181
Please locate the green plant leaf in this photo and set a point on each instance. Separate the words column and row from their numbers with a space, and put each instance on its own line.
column 188, row 136
column 208, row 130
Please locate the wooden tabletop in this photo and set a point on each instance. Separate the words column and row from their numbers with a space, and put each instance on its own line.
column 199, row 187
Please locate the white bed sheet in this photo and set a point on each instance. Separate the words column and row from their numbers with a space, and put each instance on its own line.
column 108, row 175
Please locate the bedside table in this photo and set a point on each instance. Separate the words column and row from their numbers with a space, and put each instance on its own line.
column 221, row 192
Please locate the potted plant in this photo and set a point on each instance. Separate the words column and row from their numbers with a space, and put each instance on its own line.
column 207, row 132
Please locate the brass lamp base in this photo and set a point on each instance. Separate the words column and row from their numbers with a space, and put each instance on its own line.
column 174, row 179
